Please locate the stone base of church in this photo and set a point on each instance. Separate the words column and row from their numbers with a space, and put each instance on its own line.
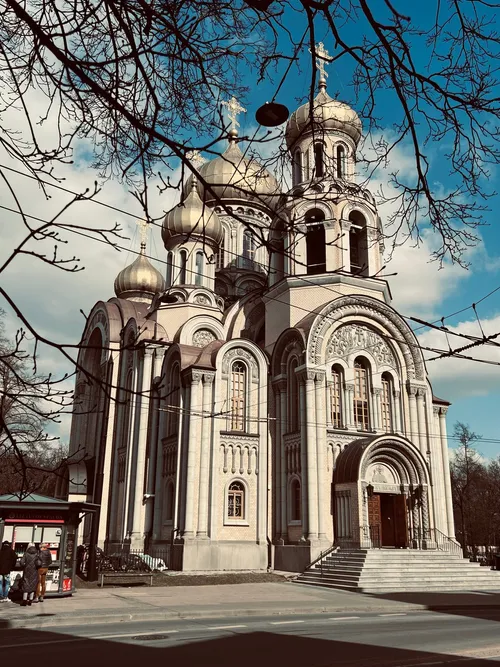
column 202, row 555
column 295, row 557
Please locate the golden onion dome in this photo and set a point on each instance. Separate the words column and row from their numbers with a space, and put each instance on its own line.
column 233, row 176
column 192, row 219
column 328, row 115
column 140, row 281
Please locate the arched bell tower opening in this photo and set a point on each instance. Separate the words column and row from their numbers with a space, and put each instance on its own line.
column 358, row 244
column 315, row 242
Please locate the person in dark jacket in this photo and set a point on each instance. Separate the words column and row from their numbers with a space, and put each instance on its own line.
column 46, row 560
column 8, row 561
column 30, row 563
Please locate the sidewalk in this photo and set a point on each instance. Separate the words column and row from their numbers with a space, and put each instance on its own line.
column 268, row 599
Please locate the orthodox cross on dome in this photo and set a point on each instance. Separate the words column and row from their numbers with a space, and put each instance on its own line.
column 323, row 58
column 234, row 109
column 196, row 159
column 143, row 231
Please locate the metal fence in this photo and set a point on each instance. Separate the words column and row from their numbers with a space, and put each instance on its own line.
column 120, row 559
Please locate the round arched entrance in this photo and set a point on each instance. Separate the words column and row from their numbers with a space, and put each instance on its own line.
column 381, row 494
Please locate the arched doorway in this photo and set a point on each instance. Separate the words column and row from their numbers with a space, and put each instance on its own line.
column 381, row 494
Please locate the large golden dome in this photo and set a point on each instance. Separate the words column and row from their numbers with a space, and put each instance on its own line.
column 233, row 176
column 192, row 219
column 140, row 281
column 328, row 114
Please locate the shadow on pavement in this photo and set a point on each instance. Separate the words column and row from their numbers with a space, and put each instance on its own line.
column 475, row 605
column 258, row 648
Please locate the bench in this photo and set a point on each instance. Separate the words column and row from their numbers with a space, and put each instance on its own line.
column 114, row 575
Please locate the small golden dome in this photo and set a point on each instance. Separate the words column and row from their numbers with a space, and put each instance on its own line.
column 233, row 176
column 192, row 219
column 140, row 281
column 328, row 115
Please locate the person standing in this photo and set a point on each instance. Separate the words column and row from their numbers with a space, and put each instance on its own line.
column 30, row 563
column 8, row 561
column 46, row 560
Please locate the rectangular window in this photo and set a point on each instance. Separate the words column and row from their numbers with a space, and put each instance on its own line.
column 361, row 419
column 335, row 402
column 386, row 406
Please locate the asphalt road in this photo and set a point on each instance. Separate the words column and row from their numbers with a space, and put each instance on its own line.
column 344, row 640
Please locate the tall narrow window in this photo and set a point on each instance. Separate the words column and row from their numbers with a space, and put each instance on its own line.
column 236, row 501
column 297, row 167
column 174, row 401
column 248, row 250
column 198, row 278
column 293, row 397
column 169, row 502
column 336, row 397
column 358, row 244
column 319, row 167
column 340, row 162
column 170, row 260
column 295, row 500
column 315, row 242
column 238, row 393
column 386, row 403
column 361, row 413
column 219, row 257
column 182, row 267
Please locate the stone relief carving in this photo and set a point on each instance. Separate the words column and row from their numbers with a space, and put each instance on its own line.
column 203, row 337
column 239, row 352
column 352, row 337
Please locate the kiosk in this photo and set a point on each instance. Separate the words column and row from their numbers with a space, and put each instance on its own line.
column 38, row 519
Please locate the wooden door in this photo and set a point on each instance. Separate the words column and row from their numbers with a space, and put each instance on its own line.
column 374, row 519
column 400, row 522
column 387, row 520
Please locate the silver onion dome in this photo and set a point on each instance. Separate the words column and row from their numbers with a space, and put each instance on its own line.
column 235, row 177
column 139, row 281
column 192, row 219
column 328, row 115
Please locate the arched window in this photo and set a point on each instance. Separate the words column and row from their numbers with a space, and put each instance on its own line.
column 182, row 267
column 297, row 167
column 236, row 501
column 358, row 244
column 249, row 248
column 173, row 401
column 361, row 387
column 336, row 397
column 170, row 261
column 198, row 278
column 319, row 166
column 386, row 403
column 315, row 242
column 219, row 257
column 293, row 397
column 295, row 500
column 238, row 395
column 340, row 162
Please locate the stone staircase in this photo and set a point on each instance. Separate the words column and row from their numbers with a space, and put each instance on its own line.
column 399, row 570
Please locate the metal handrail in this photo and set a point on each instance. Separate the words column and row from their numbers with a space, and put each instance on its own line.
column 446, row 543
column 322, row 555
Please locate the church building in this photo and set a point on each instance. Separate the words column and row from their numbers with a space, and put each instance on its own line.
column 262, row 400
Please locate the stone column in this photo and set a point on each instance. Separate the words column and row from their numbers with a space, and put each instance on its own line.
column 398, row 422
column 446, row 470
column 321, row 467
column 277, row 462
column 376, row 412
column 345, row 226
column 413, row 436
column 153, row 448
column 426, row 536
column 206, row 430
column 137, row 535
column 421, row 420
column 283, row 479
column 312, row 462
column 130, row 468
column 349, row 406
column 303, row 458
column 192, row 454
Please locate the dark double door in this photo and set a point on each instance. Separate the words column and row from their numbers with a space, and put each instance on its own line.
column 387, row 519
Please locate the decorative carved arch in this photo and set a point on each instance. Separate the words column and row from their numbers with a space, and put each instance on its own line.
column 379, row 313
column 290, row 340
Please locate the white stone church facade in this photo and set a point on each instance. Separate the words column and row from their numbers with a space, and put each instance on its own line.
column 266, row 400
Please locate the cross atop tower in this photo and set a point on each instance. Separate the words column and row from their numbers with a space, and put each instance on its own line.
column 323, row 58
column 143, row 231
column 196, row 158
column 234, row 109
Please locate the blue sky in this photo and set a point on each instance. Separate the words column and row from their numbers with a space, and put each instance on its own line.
column 421, row 289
